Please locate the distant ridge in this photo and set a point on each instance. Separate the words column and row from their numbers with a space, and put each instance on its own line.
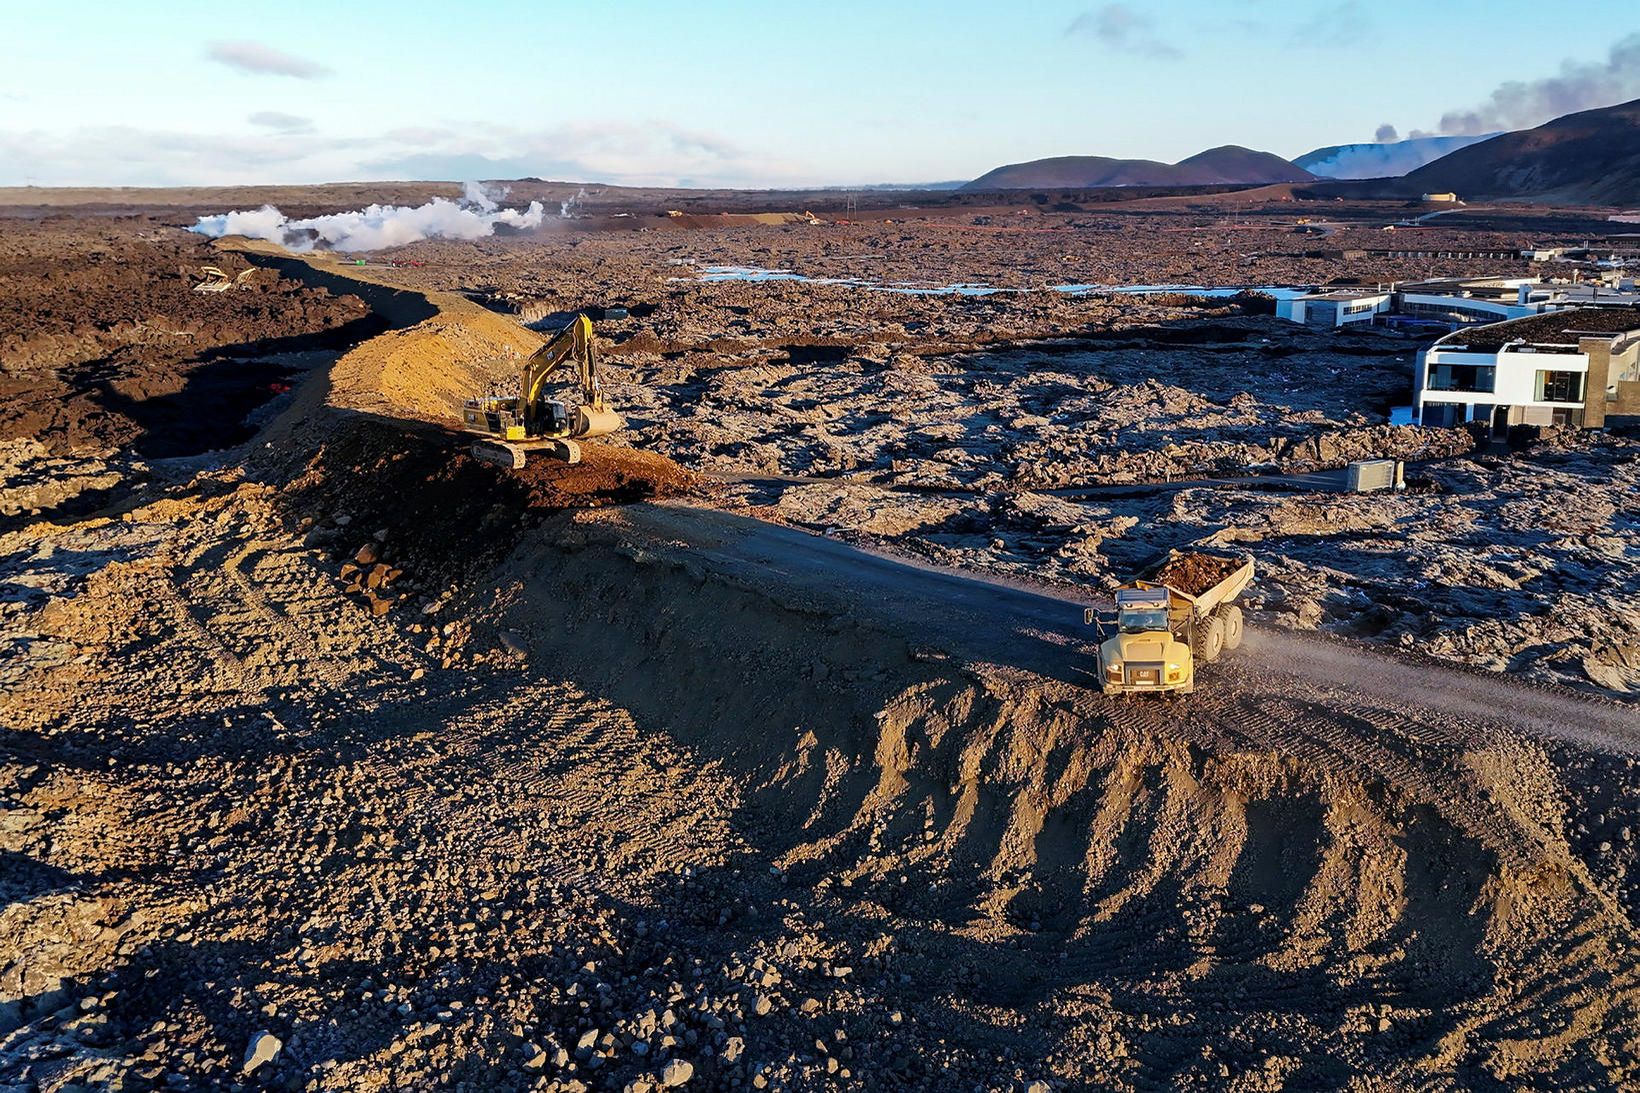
column 1227, row 164
column 1591, row 157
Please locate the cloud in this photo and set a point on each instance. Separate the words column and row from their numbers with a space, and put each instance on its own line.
column 282, row 123
column 419, row 135
column 1121, row 27
column 263, row 60
column 114, row 155
column 653, row 153
column 1386, row 134
column 1580, row 85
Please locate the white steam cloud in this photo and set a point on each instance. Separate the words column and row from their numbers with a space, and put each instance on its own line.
column 474, row 216
column 1382, row 160
column 481, row 197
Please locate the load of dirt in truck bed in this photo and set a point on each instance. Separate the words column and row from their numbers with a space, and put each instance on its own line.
column 1193, row 573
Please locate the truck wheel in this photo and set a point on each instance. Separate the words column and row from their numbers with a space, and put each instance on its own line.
column 1232, row 626
column 1212, row 638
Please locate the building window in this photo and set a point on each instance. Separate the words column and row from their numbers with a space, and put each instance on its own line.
column 1441, row 415
column 1559, row 386
column 1462, row 377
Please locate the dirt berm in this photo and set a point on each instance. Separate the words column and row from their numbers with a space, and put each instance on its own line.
column 1303, row 882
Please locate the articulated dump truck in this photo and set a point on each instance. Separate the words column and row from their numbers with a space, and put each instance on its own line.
column 1181, row 615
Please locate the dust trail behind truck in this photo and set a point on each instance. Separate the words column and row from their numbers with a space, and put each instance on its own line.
column 1182, row 613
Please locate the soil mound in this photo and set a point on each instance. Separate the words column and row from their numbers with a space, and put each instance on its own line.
column 1194, row 573
column 424, row 372
column 1354, row 887
column 447, row 514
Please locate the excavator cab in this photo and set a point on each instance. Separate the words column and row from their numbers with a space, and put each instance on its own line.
column 553, row 418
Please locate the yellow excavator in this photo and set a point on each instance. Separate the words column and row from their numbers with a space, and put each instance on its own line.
column 513, row 426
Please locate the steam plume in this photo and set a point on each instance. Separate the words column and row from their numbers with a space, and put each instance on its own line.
column 474, row 216
column 481, row 197
column 1581, row 85
column 1390, row 160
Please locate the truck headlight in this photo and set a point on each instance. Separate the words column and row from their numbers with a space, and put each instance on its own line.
column 1113, row 673
column 1175, row 673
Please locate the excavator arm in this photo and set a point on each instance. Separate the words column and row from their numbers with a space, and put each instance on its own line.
column 573, row 343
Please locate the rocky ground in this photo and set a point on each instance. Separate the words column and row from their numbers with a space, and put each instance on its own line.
column 105, row 345
column 337, row 760
column 962, row 428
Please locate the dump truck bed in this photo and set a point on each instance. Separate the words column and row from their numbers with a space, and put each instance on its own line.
column 1200, row 579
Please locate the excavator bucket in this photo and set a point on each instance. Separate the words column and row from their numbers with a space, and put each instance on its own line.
column 597, row 422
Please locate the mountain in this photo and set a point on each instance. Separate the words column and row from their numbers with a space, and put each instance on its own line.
column 1381, row 160
column 1591, row 157
column 1216, row 166
column 1233, row 163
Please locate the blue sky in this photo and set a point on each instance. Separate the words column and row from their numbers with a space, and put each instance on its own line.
column 754, row 94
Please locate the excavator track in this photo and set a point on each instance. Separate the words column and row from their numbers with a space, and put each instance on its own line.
column 515, row 456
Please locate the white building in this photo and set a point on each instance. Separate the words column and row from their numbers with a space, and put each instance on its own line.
column 1340, row 307
column 1465, row 307
column 1574, row 366
column 1454, row 301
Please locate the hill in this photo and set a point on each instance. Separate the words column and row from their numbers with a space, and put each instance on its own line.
column 1590, row 157
column 1390, row 160
column 1216, row 166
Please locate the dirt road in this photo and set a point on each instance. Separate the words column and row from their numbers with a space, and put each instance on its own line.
column 1039, row 629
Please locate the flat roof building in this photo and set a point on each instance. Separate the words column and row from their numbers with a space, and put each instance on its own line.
column 1339, row 307
column 1576, row 366
column 1454, row 301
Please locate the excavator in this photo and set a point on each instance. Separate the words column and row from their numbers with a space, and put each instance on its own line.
column 510, row 427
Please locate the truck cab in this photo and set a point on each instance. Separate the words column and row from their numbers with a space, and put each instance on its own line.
column 1182, row 614
column 1144, row 654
